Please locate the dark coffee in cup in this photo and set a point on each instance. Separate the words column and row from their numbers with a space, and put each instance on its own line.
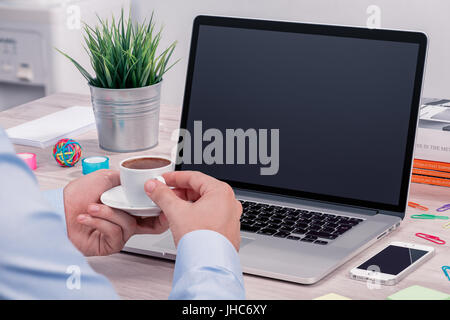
column 136, row 171
column 146, row 163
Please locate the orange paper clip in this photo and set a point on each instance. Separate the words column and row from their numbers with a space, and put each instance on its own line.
column 431, row 238
column 417, row 206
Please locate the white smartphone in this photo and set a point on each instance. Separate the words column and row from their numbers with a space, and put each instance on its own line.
column 393, row 263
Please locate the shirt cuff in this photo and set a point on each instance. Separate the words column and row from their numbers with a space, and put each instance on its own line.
column 55, row 198
column 206, row 248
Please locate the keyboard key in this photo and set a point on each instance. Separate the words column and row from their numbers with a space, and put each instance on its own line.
column 293, row 238
column 310, row 236
column 286, row 229
column 281, row 234
column 314, row 228
column 307, row 240
column 249, row 215
column 248, row 228
column 300, row 231
column 324, row 235
column 328, row 230
column 267, row 231
column 293, row 214
column 302, row 225
column 288, row 223
column 260, row 224
column 321, row 242
column 261, row 219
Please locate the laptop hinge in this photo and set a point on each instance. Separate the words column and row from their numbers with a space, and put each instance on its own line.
column 300, row 202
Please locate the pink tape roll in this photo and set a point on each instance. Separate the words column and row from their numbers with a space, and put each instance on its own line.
column 29, row 158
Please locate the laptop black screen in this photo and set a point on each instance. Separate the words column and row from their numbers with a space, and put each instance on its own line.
column 343, row 107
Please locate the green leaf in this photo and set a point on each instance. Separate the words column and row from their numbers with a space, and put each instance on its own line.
column 79, row 67
column 108, row 75
column 123, row 54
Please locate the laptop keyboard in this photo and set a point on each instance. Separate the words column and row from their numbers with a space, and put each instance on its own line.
column 294, row 224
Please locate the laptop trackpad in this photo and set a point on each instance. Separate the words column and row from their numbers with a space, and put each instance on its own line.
column 245, row 241
column 167, row 244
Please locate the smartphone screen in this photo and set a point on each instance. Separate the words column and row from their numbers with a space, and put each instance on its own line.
column 393, row 259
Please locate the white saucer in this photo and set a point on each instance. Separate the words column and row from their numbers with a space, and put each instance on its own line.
column 115, row 198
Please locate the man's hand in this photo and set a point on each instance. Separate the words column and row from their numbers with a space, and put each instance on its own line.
column 96, row 229
column 197, row 202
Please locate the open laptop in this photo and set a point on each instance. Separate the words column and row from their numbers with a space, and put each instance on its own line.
column 345, row 103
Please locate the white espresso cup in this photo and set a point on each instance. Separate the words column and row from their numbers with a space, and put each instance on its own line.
column 136, row 171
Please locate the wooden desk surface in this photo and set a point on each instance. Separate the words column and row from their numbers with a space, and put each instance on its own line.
column 140, row 277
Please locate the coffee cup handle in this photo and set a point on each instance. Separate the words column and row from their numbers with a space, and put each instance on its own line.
column 160, row 178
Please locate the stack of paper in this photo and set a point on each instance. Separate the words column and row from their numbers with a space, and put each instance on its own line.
column 46, row 131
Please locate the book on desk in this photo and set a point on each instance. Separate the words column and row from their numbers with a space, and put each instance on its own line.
column 432, row 148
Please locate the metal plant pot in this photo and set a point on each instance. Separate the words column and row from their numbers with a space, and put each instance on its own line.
column 127, row 119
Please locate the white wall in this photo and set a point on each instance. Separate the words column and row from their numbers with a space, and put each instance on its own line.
column 429, row 16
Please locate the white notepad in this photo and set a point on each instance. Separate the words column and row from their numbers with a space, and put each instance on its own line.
column 47, row 130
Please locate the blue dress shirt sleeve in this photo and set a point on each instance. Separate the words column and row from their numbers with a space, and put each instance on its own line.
column 207, row 267
column 37, row 260
column 55, row 198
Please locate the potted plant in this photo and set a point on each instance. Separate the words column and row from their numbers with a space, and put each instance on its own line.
column 126, row 88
